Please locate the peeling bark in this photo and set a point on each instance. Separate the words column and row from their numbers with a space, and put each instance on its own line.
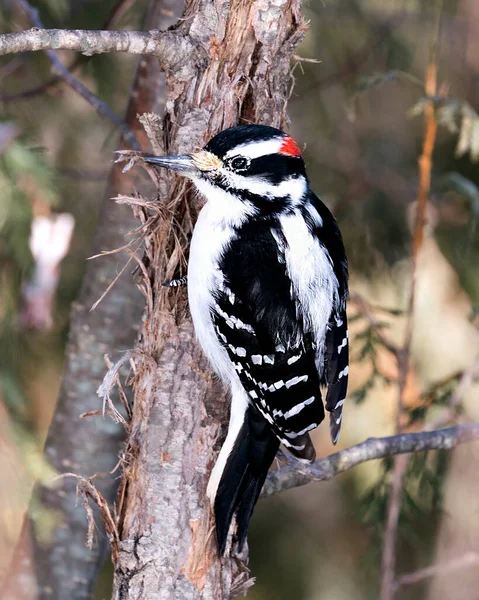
column 167, row 544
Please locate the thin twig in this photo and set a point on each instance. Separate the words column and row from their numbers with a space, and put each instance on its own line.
column 109, row 381
column 169, row 47
column 365, row 311
column 112, row 283
column 101, row 107
column 440, row 569
column 388, row 554
column 327, row 468
column 114, row 17
column 468, row 377
column 88, row 491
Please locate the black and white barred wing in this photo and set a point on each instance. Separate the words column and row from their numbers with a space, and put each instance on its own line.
column 336, row 370
column 256, row 321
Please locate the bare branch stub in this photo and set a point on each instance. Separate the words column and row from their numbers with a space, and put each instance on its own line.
column 167, row 46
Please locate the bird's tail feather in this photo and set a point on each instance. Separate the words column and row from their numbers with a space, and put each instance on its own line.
column 243, row 476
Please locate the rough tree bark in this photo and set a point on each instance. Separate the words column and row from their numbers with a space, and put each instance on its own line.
column 65, row 567
column 239, row 73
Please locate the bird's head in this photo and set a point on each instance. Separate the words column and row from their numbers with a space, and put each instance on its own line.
column 254, row 163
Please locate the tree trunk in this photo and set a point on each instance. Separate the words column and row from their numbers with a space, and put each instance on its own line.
column 64, row 567
column 240, row 73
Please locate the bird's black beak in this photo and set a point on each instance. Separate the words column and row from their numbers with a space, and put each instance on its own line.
column 181, row 164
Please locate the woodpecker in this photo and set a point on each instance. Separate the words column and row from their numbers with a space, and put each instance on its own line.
column 267, row 289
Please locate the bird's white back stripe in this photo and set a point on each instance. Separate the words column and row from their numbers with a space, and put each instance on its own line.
column 315, row 216
column 339, row 404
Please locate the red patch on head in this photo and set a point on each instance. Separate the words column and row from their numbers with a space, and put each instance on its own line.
column 289, row 147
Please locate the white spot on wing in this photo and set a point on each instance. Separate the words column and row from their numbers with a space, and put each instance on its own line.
column 343, row 344
column 298, row 408
column 296, row 434
column 257, row 359
column 296, row 380
column 293, row 359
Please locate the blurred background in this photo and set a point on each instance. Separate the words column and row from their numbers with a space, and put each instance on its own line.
column 358, row 112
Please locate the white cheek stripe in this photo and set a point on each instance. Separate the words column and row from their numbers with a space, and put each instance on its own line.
column 293, row 187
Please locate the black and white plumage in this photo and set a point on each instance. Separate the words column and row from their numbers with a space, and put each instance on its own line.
column 267, row 288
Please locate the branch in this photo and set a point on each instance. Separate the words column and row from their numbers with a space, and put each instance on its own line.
column 101, row 107
column 326, row 468
column 469, row 559
column 168, row 46
column 388, row 554
column 115, row 15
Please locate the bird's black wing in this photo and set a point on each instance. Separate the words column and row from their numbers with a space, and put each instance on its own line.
column 257, row 320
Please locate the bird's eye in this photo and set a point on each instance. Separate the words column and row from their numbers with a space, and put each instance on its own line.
column 239, row 163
